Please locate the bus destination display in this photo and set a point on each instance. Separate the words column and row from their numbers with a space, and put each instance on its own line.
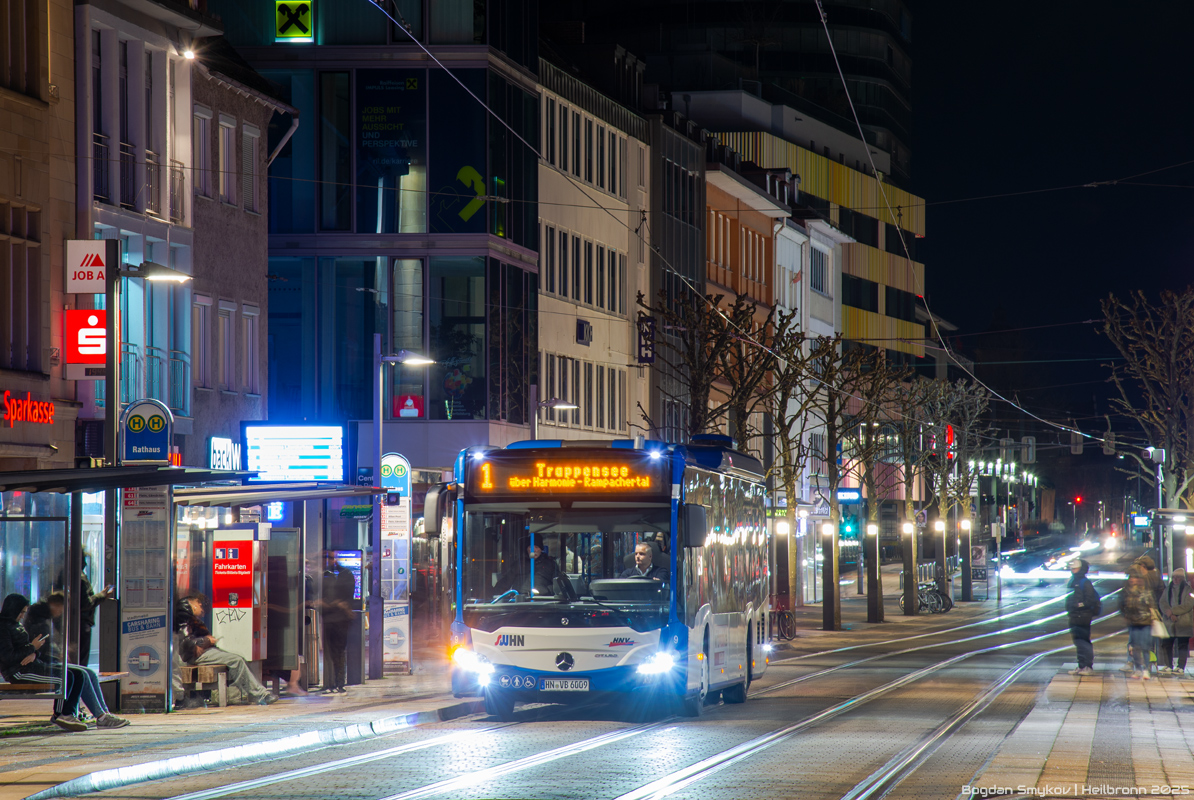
column 523, row 475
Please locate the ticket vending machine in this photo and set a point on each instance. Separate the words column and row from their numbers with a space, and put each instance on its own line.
column 238, row 584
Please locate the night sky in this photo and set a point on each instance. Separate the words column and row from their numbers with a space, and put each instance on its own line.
column 1013, row 98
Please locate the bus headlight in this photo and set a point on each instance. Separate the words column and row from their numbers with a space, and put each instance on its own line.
column 657, row 664
column 473, row 662
column 767, row 648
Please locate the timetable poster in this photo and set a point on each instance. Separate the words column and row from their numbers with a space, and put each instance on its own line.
column 145, row 597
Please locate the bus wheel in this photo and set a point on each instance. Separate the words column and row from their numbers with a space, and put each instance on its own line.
column 499, row 704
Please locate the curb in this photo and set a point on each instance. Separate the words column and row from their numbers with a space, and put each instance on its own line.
column 248, row 753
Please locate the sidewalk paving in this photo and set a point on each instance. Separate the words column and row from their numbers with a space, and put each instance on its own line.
column 1105, row 734
column 36, row 755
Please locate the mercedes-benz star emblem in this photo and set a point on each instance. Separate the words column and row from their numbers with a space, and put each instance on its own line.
column 563, row 620
column 565, row 661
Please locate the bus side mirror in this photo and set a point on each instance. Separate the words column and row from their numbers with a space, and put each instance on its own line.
column 431, row 511
column 696, row 525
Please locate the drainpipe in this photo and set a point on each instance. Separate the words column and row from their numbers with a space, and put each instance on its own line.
column 294, row 123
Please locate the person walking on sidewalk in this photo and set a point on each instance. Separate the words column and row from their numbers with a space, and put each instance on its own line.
column 23, row 660
column 1082, row 605
column 1137, row 605
column 1177, row 612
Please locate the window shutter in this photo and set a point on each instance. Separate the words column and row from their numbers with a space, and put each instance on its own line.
column 248, row 170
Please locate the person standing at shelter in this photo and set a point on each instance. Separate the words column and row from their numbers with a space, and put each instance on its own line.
column 1137, row 605
column 1082, row 605
column 339, row 589
column 1177, row 612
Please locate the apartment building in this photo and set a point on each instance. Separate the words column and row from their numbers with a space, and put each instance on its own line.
column 593, row 260
column 38, row 407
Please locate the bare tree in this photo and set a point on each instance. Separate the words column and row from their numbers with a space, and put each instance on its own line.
column 789, row 405
column 957, row 427
column 908, row 422
column 833, row 407
column 718, row 356
column 1153, row 380
column 868, row 440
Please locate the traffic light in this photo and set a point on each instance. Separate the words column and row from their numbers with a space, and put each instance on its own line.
column 847, row 528
column 1078, row 499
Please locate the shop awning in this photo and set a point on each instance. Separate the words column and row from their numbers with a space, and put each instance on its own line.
column 102, row 478
column 261, row 495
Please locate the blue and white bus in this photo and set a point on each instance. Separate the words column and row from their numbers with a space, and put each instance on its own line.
column 575, row 631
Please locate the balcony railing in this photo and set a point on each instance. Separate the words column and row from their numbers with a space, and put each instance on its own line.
column 100, row 168
column 180, row 383
column 156, row 380
column 128, row 176
column 178, row 177
column 153, row 184
column 130, row 373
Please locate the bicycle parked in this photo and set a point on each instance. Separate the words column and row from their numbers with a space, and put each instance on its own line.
column 930, row 599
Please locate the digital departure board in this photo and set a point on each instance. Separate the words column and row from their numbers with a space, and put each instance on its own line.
column 524, row 474
column 294, row 452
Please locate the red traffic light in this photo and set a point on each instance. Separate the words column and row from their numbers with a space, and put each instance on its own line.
column 1078, row 499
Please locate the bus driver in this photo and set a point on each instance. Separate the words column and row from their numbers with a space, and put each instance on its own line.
column 643, row 555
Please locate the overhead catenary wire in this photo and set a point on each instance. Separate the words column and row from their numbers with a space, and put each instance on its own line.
column 908, row 253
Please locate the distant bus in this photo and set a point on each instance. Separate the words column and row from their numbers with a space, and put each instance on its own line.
column 589, row 634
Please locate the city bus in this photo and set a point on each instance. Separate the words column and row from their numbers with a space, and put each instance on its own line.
column 586, row 627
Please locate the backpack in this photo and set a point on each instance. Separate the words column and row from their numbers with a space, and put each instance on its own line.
column 1097, row 605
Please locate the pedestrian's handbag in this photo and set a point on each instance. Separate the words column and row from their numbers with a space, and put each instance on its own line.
column 1159, row 629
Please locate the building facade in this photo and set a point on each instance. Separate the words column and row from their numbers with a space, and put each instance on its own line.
column 232, row 108
column 592, row 190
column 778, row 52
column 134, row 150
column 37, row 214
column 407, row 208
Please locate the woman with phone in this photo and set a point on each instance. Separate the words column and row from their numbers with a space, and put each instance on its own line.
column 24, row 660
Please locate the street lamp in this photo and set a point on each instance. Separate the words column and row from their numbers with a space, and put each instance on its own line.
column 874, row 586
column 967, row 565
column 555, row 404
column 150, row 272
column 376, row 608
column 910, row 576
column 942, row 562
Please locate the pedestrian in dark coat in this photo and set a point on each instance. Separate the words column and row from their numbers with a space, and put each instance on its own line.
column 1137, row 605
column 1082, row 605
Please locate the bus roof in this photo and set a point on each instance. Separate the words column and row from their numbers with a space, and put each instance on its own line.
column 710, row 451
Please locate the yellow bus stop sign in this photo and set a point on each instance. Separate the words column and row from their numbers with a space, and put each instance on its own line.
column 293, row 20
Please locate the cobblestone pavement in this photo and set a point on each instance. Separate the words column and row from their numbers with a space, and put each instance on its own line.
column 1047, row 730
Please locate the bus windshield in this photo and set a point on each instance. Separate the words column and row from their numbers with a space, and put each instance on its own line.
column 576, row 556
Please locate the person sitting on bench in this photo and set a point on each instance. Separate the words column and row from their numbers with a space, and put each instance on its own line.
column 23, row 660
column 198, row 648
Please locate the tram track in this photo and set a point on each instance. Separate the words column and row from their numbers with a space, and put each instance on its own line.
column 908, row 759
column 896, row 769
column 939, row 632
column 871, row 659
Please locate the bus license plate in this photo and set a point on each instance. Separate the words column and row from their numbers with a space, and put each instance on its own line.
column 564, row 685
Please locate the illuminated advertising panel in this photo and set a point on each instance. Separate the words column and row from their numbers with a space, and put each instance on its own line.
column 85, row 344
column 294, row 452
column 520, row 474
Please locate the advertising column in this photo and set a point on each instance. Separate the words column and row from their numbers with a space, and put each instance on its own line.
column 395, row 561
column 145, row 558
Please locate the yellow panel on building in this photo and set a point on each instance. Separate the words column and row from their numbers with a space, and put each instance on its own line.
column 829, row 180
